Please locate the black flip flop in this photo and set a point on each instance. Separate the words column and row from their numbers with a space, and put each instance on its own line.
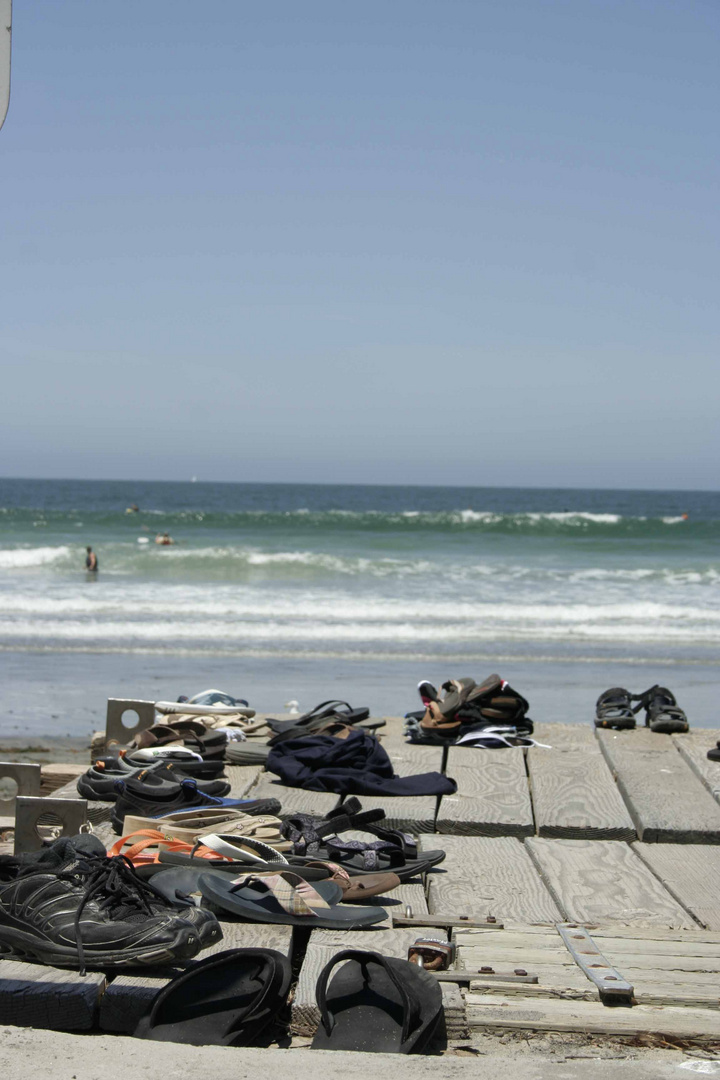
column 376, row 1004
column 614, row 710
column 226, row 1000
column 326, row 710
column 714, row 752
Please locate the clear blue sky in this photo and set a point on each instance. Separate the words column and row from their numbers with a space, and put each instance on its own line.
column 449, row 242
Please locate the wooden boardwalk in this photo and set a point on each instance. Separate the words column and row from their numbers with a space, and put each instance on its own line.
column 618, row 832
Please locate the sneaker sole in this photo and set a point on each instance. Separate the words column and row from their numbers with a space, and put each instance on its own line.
column 22, row 946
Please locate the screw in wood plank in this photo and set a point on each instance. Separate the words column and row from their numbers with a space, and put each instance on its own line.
column 488, row 970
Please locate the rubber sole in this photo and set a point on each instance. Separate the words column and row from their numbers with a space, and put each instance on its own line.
column 23, row 946
column 628, row 724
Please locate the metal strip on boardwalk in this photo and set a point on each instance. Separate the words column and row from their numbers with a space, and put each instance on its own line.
column 613, row 988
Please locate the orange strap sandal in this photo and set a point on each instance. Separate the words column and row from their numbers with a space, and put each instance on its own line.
column 139, row 855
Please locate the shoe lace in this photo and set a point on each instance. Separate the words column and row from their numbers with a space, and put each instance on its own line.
column 113, row 885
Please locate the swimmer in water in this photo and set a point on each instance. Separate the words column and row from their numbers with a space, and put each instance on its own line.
column 133, row 508
column 164, row 539
column 685, row 516
column 91, row 562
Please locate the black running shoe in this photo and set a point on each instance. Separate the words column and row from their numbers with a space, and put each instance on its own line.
column 140, row 796
column 99, row 781
column 70, row 905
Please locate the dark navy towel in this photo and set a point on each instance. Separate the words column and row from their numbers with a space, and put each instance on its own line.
column 357, row 765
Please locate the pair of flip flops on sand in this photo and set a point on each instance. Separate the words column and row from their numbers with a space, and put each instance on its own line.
column 373, row 1003
column 616, row 709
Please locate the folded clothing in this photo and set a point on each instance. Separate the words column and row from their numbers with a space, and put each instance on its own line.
column 356, row 765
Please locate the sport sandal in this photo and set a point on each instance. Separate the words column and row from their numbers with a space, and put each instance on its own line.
column 614, row 710
column 376, row 1004
column 662, row 713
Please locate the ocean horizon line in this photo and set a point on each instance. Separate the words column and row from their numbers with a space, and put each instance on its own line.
column 363, row 484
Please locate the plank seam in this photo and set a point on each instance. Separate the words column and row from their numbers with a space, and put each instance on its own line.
column 689, row 760
column 635, row 817
column 531, row 793
column 547, row 883
column 666, row 886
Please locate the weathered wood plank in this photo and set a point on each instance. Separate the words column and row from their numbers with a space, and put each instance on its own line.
column 408, row 893
column 565, row 736
column 660, row 993
column 498, row 1011
column 294, row 800
column 411, row 813
column 98, row 812
column 666, row 800
column 241, row 779
column 485, row 875
column 57, row 775
column 691, row 873
column 492, row 798
column 128, row 997
column 323, row 945
column 685, row 969
column 604, row 882
column 409, row 759
column 685, row 940
column 693, row 747
column 574, row 794
column 33, row 995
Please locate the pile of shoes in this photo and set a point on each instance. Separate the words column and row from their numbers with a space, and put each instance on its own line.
column 464, row 713
column 174, row 779
column 615, row 710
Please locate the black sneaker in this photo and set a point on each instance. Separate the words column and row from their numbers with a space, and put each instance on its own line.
column 141, row 796
column 99, row 781
column 70, row 905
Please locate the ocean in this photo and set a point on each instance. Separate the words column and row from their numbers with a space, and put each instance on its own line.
column 304, row 592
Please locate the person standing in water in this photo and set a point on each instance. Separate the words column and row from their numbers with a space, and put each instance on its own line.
column 91, row 562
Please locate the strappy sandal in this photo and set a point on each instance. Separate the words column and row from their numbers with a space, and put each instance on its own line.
column 662, row 713
column 614, row 710
column 394, row 852
column 144, row 846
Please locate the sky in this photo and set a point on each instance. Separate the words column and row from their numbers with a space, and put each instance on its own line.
column 410, row 242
